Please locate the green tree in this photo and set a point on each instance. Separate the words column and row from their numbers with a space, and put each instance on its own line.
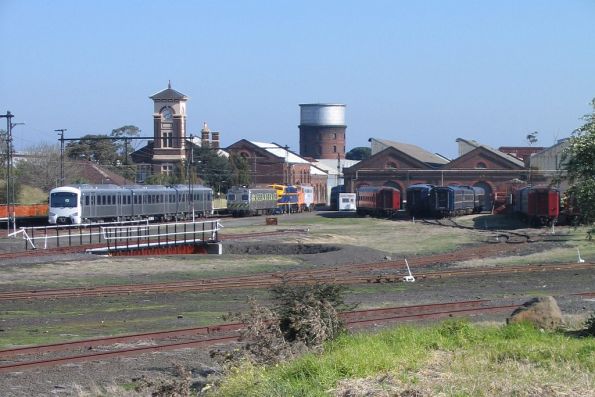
column 125, row 146
column 213, row 169
column 97, row 148
column 240, row 170
column 579, row 164
column 358, row 153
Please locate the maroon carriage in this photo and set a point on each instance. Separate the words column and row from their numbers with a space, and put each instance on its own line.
column 378, row 200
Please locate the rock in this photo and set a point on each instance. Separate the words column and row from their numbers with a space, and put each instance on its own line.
column 541, row 312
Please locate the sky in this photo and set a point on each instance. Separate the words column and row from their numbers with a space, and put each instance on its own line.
column 419, row 72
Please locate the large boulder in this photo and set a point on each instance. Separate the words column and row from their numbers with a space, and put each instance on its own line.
column 542, row 312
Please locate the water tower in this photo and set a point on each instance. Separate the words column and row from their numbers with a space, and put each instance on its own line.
column 322, row 130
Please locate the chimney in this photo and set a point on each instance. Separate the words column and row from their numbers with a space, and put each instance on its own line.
column 204, row 135
column 215, row 140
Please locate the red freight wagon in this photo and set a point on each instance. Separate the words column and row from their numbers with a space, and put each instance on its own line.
column 543, row 203
column 378, row 200
column 539, row 205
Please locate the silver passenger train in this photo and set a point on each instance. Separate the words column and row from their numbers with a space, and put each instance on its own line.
column 78, row 204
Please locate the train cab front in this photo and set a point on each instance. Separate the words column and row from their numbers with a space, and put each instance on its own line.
column 64, row 208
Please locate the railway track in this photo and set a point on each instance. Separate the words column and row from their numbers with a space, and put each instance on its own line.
column 16, row 359
column 497, row 235
column 357, row 274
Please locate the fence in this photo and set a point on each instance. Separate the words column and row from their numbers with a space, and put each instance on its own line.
column 44, row 237
column 160, row 235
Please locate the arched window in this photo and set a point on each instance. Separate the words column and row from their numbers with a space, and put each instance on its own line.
column 481, row 165
column 244, row 155
column 391, row 165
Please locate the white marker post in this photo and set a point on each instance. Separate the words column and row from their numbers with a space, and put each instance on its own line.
column 580, row 260
column 409, row 278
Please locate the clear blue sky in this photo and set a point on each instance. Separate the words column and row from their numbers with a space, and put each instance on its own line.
column 421, row 72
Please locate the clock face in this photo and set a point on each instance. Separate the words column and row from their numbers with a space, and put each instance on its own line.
column 166, row 114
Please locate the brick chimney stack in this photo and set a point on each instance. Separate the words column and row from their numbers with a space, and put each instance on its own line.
column 215, row 140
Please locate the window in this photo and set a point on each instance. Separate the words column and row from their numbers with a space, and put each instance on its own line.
column 167, row 169
column 168, row 138
column 86, row 200
column 481, row 165
column 63, row 199
column 391, row 165
column 334, row 149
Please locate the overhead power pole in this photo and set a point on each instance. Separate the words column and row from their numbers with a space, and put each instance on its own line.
column 61, row 131
column 10, row 188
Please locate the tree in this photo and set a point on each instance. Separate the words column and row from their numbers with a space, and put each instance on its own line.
column 97, row 148
column 41, row 167
column 213, row 169
column 240, row 170
column 123, row 147
column 358, row 153
column 578, row 161
column 532, row 137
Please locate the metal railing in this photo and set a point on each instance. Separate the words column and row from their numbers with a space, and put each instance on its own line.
column 160, row 235
column 45, row 237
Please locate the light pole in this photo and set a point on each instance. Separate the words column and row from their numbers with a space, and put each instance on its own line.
column 61, row 131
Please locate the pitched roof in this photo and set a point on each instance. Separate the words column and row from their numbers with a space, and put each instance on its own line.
column 414, row 151
column 96, row 174
column 169, row 93
column 288, row 156
column 281, row 152
column 505, row 156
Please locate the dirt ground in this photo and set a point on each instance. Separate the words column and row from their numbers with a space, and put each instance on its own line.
column 326, row 244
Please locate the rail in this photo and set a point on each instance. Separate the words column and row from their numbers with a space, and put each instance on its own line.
column 158, row 235
column 46, row 237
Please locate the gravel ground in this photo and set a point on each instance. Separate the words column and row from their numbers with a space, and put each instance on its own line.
column 97, row 377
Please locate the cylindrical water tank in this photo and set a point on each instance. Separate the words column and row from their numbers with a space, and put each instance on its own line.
column 322, row 114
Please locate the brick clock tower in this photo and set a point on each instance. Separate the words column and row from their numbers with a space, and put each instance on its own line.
column 169, row 121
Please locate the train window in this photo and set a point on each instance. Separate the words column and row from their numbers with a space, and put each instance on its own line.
column 86, row 200
column 231, row 196
column 114, row 200
column 245, row 197
column 109, row 200
column 103, row 200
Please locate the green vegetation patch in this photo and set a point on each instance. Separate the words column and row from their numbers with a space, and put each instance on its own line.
column 451, row 359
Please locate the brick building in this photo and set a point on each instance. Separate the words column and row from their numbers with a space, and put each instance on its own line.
column 274, row 164
column 401, row 165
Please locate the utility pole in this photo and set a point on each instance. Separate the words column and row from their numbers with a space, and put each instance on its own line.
column 10, row 188
column 61, row 131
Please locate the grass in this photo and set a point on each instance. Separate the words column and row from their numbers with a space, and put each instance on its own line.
column 454, row 358
column 403, row 237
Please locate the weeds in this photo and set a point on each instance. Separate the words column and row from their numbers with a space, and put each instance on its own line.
column 302, row 319
column 590, row 325
column 179, row 386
